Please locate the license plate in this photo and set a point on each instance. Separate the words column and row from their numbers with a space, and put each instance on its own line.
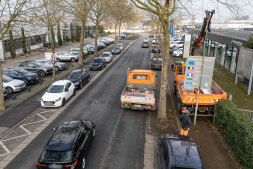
column 54, row 166
column 139, row 106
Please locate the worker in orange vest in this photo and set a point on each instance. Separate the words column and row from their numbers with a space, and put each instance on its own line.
column 185, row 121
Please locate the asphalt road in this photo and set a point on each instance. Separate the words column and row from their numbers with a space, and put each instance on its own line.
column 120, row 133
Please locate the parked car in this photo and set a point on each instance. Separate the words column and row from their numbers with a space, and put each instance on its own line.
column 13, row 85
column 58, row 93
column 21, row 74
column 110, row 40
column 107, row 56
column 59, row 66
column 35, row 67
column 68, row 146
column 178, row 152
column 116, row 50
column 175, row 48
column 97, row 64
column 151, row 36
column 66, row 56
column 155, row 41
column 155, row 48
column 5, row 93
column 79, row 77
column 156, row 63
column 176, row 44
column 145, row 45
column 178, row 53
column 120, row 45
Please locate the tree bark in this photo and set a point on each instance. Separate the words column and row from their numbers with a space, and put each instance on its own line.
column 115, row 32
column 80, row 61
column 164, row 80
column 52, row 46
column 2, row 106
column 119, row 31
column 96, row 40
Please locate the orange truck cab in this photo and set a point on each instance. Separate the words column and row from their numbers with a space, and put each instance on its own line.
column 188, row 97
column 139, row 92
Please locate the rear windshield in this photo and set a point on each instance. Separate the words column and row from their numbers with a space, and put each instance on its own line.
column 140, row 77
column 157, row 61
column 56, row 156
column 145, row 42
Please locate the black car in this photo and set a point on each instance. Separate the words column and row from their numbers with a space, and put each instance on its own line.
column 21, row 74
column 156, row 63
column 116, row 50
column 68, row 147
column 35, row 67
column 176, row 151
column 155, row 48
column 97, row 64
column 79, row 77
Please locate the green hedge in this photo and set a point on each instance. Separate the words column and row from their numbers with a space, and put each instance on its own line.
column 237, row 130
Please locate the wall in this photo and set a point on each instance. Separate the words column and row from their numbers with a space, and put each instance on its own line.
column 245, row 62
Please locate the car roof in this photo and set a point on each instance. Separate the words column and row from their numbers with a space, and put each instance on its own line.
column 77, row 70
column 61, row 82
column 184, row 153
column 65, row 136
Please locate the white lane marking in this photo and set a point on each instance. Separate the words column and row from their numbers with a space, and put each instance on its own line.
column 44, row 118
column 27, row 131
column 5, row 148
column 15, row 137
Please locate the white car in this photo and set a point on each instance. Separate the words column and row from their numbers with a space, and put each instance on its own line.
column 176, row 44
column 120, row 45
column 66, row 56
column 58, row 93
column 13, row 85
column 146, row 40
column 155, row 41
column 107, row 56
column 178, row 53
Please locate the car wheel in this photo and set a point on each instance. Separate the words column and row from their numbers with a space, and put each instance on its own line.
column 83, row 163
column 9, row 90
column 57, row 68
column 41, row 73
column 26, row 81
column 63, row 102
column 73, row 59
column 81, row 85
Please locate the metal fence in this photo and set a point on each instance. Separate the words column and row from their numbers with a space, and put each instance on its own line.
column 249, row 113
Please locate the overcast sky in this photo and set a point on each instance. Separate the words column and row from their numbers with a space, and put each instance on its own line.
column 222, row 12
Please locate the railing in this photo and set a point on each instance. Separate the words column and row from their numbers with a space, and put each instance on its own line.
column 249, row 113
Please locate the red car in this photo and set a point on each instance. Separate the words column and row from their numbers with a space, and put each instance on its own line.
column 145, row 45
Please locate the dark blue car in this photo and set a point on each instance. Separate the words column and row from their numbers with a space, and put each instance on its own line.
column 21, row 74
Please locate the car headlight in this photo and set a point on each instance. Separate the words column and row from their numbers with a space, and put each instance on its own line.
column 76, row 83
column 99, row 65
column 58, row 99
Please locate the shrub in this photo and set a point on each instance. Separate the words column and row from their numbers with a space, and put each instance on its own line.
column 249, row 43
column 237, row 130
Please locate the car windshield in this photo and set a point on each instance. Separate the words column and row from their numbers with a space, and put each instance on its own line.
column 22, row 71
column 157, row 61
column 56, row 156
column 55, row 89
column 7, row 79
column 96, row 61
column 145, row 42
column 74, row 75
column 115, row 48
column 104, row 55
column 119, row 45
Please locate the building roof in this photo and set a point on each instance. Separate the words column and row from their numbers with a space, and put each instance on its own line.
column 227, row 36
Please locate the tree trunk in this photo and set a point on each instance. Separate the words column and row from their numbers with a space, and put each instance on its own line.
column 164, row 80
column 96, row 40
column 80, row 61
column 119, row 31
column 115, row 32
column 2, row 106
column 52, row 46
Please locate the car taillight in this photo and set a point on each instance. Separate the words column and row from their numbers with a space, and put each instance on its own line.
column 42, row 165
column 71, row 165
column 125, row 105
column 149, row 107
column 152, row 64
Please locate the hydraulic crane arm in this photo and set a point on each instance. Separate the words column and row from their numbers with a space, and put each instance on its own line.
column 207, row 22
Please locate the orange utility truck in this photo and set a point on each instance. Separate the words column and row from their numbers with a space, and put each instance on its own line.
column 139, row 92
column 188, row 97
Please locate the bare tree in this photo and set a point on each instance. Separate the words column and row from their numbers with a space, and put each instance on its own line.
column 48, row 15
column 163, row 10
column 98, row 13
column 10, row 13
column 80, row 9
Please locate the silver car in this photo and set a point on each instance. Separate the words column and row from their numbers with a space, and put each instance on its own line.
column 120, row 45
column 107, row 56
column 59, row 66
column 13, row 85
column 66, row 56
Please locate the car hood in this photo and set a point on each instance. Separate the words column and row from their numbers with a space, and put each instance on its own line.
column 51, row 96
column 75, row 80
column 60, row 63
column 31, row 75
column 14, row 82
column 95, row 64
column 107, row 58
